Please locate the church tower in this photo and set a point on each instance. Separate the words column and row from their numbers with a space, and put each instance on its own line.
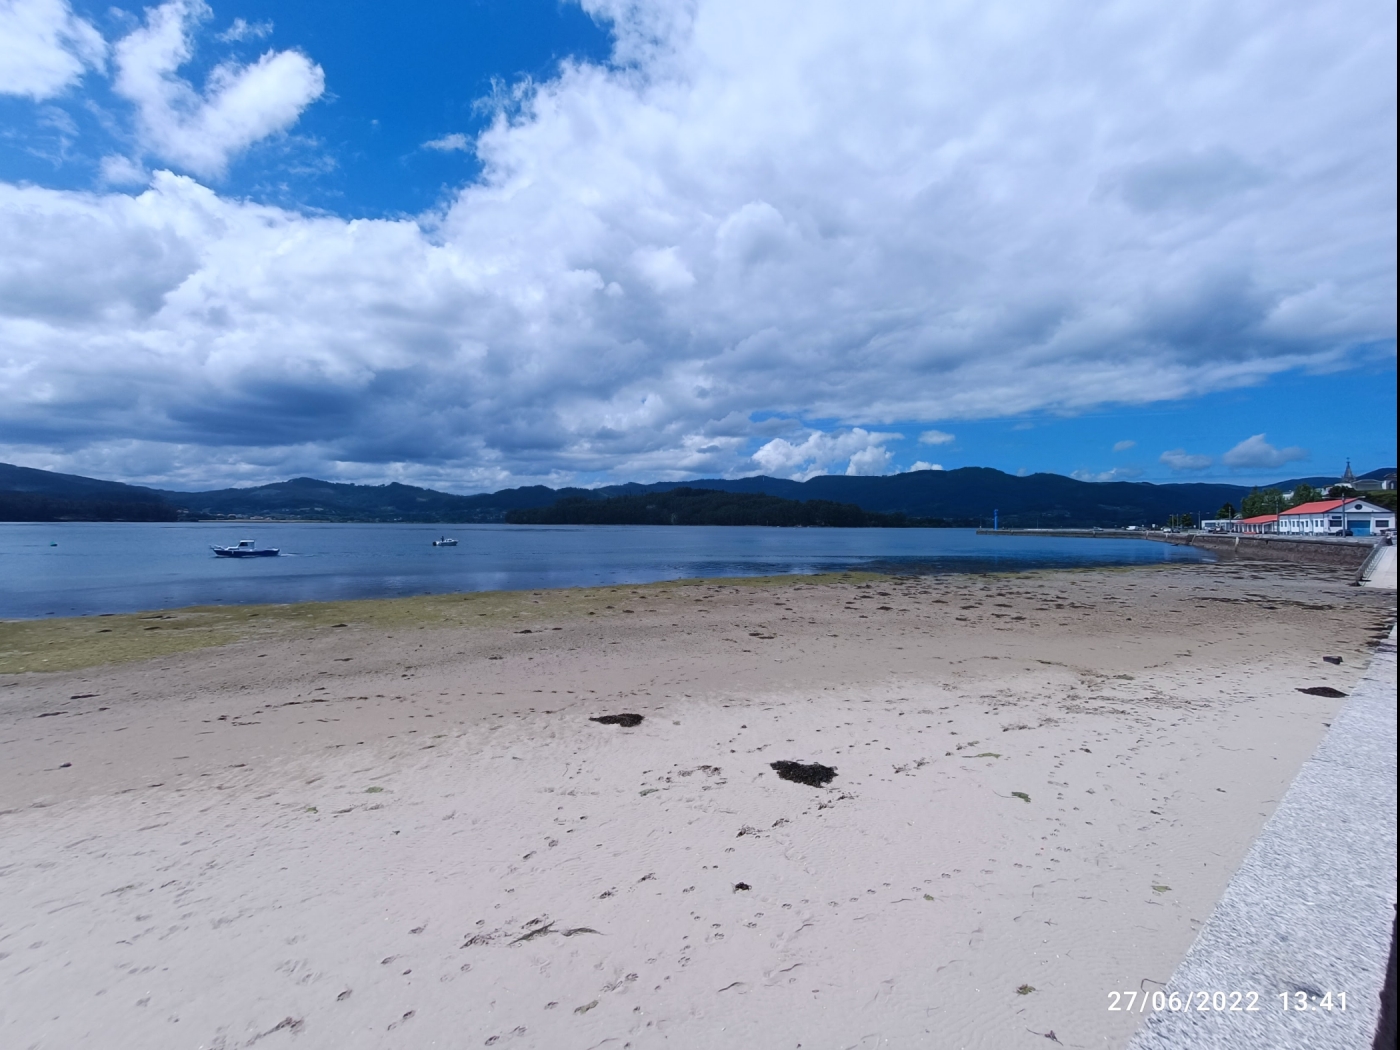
column 1349, row 478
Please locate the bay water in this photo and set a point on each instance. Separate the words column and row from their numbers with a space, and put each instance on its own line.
column 88, row 568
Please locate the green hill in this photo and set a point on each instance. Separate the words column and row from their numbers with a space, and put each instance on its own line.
column 27, row 494
column 694, row 506
column 313, row 500
column 969, row 495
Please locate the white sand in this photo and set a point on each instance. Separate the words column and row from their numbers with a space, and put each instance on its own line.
column 529, row 878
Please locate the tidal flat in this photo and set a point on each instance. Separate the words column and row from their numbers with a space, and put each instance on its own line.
column 420, row 821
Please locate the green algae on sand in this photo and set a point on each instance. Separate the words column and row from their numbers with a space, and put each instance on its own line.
column 73, row 643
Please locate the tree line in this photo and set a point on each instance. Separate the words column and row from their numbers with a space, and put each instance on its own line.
column 687, row 506
column 1273, row 501
column 32, row 506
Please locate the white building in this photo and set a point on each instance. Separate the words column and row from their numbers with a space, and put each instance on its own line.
column 1336, row 517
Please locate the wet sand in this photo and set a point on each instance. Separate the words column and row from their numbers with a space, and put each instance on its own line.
column 397, row 825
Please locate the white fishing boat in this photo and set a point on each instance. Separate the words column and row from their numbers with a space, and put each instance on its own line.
column 245, row 549
column 444, row 541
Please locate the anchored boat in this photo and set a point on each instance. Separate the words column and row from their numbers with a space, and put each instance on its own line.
column 445, row 541
column 245, row 549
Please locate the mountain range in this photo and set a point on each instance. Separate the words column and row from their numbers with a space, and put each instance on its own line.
column 968, row 495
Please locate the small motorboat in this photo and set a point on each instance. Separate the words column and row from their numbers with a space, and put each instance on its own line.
column 245, row 549
column 444, row 541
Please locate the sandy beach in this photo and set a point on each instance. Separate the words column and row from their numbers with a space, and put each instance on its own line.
column 397, row 824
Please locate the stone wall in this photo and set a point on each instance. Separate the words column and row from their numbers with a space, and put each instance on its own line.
column 1343, row 552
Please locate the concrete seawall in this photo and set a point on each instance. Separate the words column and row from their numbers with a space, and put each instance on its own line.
column 1309, row 915
column 1343, row 552
column 1084, row 534
column 1348, row 553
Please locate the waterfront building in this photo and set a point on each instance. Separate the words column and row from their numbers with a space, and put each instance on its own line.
column 1336, row 517
column 1260, row 523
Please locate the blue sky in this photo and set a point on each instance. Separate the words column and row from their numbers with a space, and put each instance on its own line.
column 1345, row 416
column 483, row 244
column 397, row 76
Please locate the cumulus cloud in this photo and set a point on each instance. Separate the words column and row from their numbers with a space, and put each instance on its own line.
column 123, row 171
column 864, row 452
column 901, row 214
column 1123, row 446
column 1181, row 461
column 870, row 462
column 1256, row 452
column 936, row 437
column 44, row 48
column 454, row 142
column 925, row 465
column 1115, row 474
column 201, row 131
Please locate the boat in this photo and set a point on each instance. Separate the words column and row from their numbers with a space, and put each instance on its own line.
column 245, row 549
column 444, row 541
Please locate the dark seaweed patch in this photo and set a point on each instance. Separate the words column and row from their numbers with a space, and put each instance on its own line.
column 627, row 721
column 813, row 774
column 1322, row 690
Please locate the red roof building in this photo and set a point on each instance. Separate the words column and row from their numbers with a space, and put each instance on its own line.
column 1336, row 517
column 1321, row 506
column 1260, row 523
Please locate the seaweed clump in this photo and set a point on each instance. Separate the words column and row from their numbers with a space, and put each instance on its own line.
column 813, row 774
column 627, row 721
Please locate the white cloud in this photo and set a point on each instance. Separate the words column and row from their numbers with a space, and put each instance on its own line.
column 925, row 465
column 869, row 462
column 123, row 171
column 242, row 29
column 44, row 48
column 663, row 268
column 1179, row 460
column 902, row 213
column 240, row 104
column 1123, row 446
column 936, row 437
column 1116, row 474
column 1256, row 452
column 455, row 142
column 864, row 452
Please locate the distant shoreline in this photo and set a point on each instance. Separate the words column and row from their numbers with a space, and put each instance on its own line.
column 974, row 495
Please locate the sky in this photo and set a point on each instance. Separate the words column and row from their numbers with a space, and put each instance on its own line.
column 508, row 242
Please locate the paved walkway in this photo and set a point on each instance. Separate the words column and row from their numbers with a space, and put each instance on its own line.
column 1382, row 573
column 1310, row 911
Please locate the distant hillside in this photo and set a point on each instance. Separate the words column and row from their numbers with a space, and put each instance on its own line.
column 1323, row 482
column 27, row 494
column 974, row 493
column 29, row 506
column 968, row 495
column 310, row 499
column 696, row 506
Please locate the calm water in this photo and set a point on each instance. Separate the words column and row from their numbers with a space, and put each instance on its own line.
column 83, row 568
